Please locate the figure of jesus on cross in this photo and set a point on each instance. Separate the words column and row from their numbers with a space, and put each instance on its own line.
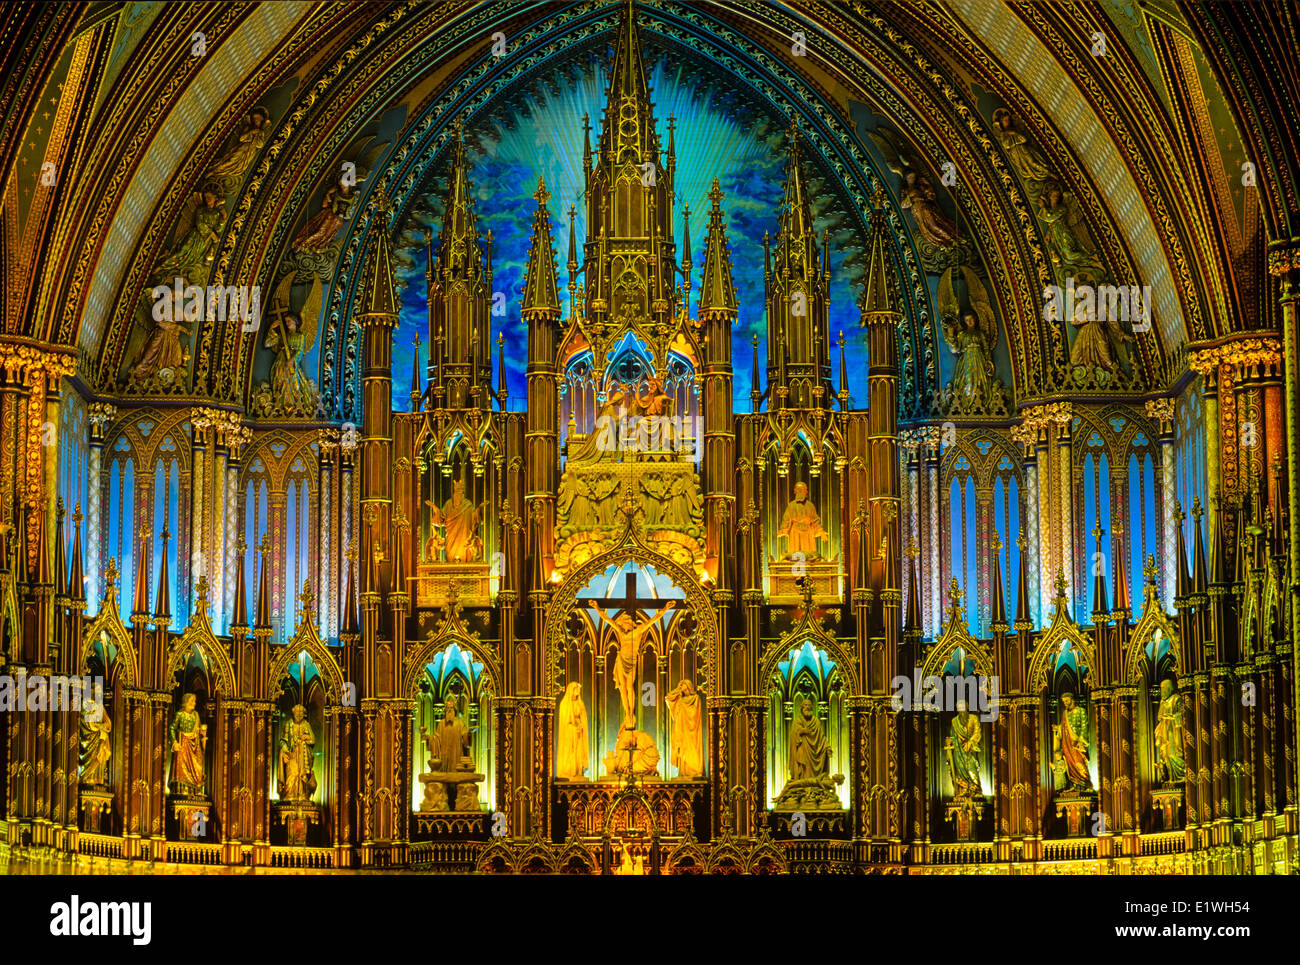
column 629, row 633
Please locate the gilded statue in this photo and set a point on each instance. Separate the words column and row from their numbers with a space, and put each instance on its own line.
column 687, row 712
column 1170, row 765
column 571, row 735
column 801, row 525
column 971, row 333
column 297, row 757
column 1070, row 745
column 602, row 444
column 96, row 743
column 629, row 634
column 293, row 338
column 808, row 762
column 575, row 503
column 319, row 231
column 229, row 170
column 963, row 752
column 459, row 518
column 1061, row 221
column 189, row 739
column 449, row 744
column 198, row 236
column 1096, row 344
column 1023, row 155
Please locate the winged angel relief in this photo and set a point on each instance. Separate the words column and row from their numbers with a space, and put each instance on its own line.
column 971, row 332
column 292, row 335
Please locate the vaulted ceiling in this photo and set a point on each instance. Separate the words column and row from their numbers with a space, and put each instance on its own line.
column 1167, row 128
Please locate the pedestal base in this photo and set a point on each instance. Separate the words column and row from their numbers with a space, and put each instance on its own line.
column 297, row 818
column 439, row 796
column 1168, row 802
column 965, row 814
column 1076, row 807
column 783, row 578
column 96, row 808
column 192, row 814
column 810, row 794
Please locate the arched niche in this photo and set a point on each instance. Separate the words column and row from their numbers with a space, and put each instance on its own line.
column 1153, row 666
column 808, row 664
column 1061, row 672
column 453, row 667
column 803, row 488
column 960, row 700
column 304, row 673
column 668, row 661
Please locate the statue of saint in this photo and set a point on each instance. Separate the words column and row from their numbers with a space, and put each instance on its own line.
column 801, row 525
column 571, row 750
column 688, row 730
column 229, row 170
column 635, row 748
column 1072, row 743
column 963, row 750
column 292, row 340
column 1096, row 344
column 1170, row 765
column 197, row 241
column 602, row 443
column 189, row 739
column 96, row 746
column 629, row 635
column 658, row 408
column 1023, row 155
column 448, row 746
column 297, row 776
column 604, row 494
column 459, row 518
column 809, row 752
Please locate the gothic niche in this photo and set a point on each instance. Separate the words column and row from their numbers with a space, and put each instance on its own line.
column 99, row 750
column 1160, row 714
column 631, row 703
column 808, row 746
column 802, row 504
column 453, row 735
column 964, row 740
column 1069, row 746
column 630, row 425
column 298, row 761
column 454, row 528
column 190, row 750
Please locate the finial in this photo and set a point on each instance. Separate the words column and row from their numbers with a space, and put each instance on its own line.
column 541, row 194
column 1060, row 583
column 997, row 541
column 1149, row 570
column 76, row 513
column 1197, row 512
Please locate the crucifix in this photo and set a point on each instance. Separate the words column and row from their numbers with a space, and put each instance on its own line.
column 629, row 633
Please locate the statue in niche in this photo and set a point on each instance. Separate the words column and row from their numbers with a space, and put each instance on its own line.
column 971, row 333
column 963, row 751
column 163, row 355
column 189, row 739
column 1061, row 220
column 629, row 634
column 1170, row 764
column 634, row 749
column 687, row 711
column 448, row 746
column 1070, row 747
column 657, row 405
column 1023, row 155
column 451, row 765
column 571, row 749
column 96, row 745
column 801, row 525
column 808, row 760
column 809, row 752
column 229, row 170
column 459, row 519
column 297, row 756
column 1096, row 343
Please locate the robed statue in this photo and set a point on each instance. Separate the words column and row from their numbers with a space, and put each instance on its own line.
column 634, row 750
column 963, row 750
column 571, row 730
column 448, row 746
column 297, row 774
column 1071, row 746
column 801, row 525
column 189, row 738
column 1170, row 764
column 96, row 745
column 809, row 752
column 688, row 730
column 459, row 519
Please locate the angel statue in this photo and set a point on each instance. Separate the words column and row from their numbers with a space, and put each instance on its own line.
column 1096, row 344
column 229, row 170
column 941, row 242
column 971, row 333
column 1061, row 219
column 289, row 391
column 198, row 232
